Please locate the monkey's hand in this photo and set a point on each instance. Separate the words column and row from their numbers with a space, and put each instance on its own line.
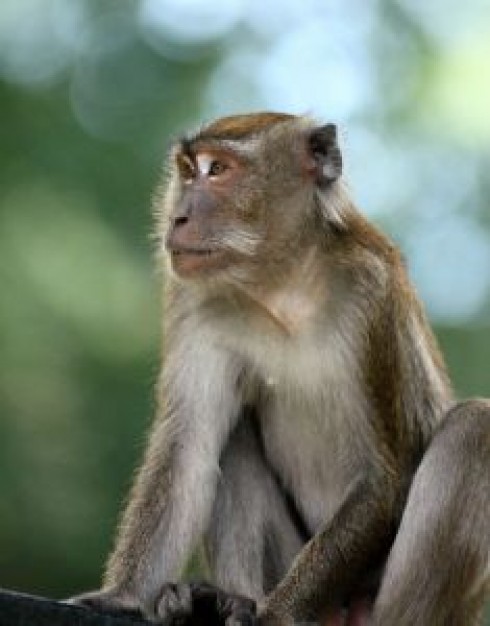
column 177, row 604
column 231, row 609
column 201, row 604
column 172, row 607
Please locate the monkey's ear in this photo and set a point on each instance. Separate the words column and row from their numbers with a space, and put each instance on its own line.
column 325, row 158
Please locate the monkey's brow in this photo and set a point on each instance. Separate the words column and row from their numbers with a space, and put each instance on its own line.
column 189, row 145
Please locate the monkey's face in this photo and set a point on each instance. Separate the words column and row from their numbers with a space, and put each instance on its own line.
column 241, row 194
column 207, row 231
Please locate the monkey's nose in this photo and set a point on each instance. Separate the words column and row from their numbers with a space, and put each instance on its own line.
column 180, row 220
column 184, row 233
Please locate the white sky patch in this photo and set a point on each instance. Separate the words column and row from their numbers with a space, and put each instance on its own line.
column 305, row 71
column 449, row 21
column 233, row 87
column 450, row 264
column 38, row 39
column 192, row 20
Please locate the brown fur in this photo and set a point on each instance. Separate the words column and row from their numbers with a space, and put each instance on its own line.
column 241, row 126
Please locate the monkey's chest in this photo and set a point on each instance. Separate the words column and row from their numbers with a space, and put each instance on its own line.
column 315, row 418
column 312, row 445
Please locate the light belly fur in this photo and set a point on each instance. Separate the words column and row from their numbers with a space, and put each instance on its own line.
column 314, row 403
column 335, row 459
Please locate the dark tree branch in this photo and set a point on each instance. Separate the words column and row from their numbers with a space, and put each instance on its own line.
column 17, row 609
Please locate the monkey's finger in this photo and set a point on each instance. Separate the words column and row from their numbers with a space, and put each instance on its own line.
column 232, row 604
column 174, row 604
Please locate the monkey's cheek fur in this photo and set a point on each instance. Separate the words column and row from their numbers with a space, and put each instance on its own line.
column 190, row 264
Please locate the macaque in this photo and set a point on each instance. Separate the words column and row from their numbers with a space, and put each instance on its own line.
column 306, row 427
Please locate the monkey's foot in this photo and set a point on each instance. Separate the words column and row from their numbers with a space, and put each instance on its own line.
column 202, row 604
column 229, row 609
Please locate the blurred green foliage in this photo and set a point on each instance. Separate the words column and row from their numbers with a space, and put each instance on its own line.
column 90, row 95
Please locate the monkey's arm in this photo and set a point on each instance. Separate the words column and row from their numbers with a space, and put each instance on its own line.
column 332, row 562
column 173, row 494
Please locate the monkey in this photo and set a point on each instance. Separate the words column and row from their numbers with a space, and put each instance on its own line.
column 306, row 427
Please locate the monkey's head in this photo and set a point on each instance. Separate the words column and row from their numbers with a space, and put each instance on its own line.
column 243, row 192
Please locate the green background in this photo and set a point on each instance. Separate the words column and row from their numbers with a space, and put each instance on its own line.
column 91, row 93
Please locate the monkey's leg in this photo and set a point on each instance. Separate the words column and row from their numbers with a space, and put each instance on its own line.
column 252, row 538
column 438, row 571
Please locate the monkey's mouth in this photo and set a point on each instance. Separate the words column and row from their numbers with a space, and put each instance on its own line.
column 187, row 261
column 198, row 252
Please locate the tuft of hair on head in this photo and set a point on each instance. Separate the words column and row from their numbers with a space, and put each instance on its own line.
column 236, row 127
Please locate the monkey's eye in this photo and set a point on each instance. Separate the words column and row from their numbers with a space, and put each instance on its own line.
column 208, row 165
column 216, row 168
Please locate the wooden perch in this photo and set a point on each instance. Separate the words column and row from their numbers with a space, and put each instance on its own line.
column 18, row 609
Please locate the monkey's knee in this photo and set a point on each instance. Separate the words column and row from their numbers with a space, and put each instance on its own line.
column 460, row 450
column 439, row 568
column 465, row 421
